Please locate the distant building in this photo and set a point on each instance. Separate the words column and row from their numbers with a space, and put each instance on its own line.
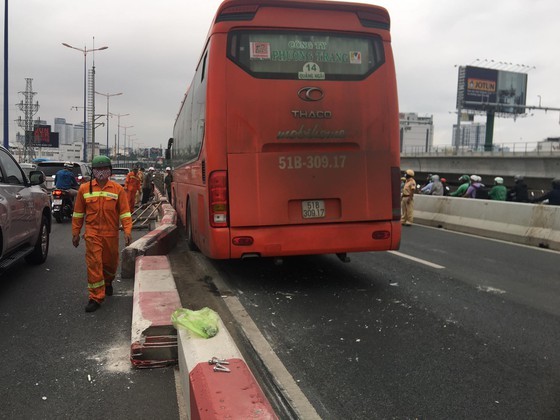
column 417, row 133
column 473, row 136
column 551, row 144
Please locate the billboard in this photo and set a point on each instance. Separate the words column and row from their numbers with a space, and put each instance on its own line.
column 483, row 89
column 42, row 136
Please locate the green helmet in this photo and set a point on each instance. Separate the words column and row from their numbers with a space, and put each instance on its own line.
column 101, row 162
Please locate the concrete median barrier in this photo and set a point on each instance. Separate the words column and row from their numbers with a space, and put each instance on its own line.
column 153, row 337
column 213, row 391
column 528, row 224
column 156, row 242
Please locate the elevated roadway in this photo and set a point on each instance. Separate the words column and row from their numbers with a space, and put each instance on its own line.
column 538, row 169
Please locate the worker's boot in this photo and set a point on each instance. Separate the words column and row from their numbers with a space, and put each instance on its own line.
column 92, row 306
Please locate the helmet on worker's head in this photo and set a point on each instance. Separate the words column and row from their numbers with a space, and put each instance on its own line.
column 409, row 172
column 518, row 178
column 556, row 183
column 168, row 168
column 101, row 162
column 68, row 165
column 474, row 178
column 464, row 178
column 499, row 180
column 435, row 177
column 443, row 180
column 151, row 168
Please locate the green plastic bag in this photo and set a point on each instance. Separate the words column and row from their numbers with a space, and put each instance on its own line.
column 203, row 322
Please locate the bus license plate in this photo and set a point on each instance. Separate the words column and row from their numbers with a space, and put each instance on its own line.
column 313, row 209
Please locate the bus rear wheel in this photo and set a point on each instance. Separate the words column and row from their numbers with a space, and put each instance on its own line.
column 190, row 240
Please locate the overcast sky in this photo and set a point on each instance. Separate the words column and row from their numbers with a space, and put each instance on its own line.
column 154, row 47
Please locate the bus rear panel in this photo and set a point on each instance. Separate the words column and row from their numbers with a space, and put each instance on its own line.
column 299, row 150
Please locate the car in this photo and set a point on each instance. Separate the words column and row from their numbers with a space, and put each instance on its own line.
column 25, row 214
column 119, row 175
column 82, row 171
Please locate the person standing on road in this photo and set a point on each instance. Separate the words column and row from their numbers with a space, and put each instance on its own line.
column 103, row 204
column 499, row 190
column 147, row 185
column 407, row 200
column 167, row 181
column 132, row 185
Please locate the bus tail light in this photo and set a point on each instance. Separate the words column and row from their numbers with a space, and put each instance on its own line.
column 396, row 192
column 218, row 201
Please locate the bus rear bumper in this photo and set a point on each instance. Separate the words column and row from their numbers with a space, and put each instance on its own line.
column 277, row 241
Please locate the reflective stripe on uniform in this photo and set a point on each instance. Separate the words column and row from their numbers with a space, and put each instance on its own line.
column 127, row 214
column 78, row 215
column 101, row 194
column 96, row 285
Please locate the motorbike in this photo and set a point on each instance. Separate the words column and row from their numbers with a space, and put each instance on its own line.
column 62, row 205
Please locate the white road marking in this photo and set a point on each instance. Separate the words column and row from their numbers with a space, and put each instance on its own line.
column 418, row 260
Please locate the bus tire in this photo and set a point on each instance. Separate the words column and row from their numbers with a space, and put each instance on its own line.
column 190, row 240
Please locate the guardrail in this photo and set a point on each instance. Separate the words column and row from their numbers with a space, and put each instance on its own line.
column 528, row 224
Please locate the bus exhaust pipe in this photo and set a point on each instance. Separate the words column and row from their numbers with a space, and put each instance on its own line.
column 342, row 256
column 252, row 255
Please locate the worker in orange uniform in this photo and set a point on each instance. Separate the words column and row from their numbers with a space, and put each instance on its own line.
column 132, row 185
column 102, row 203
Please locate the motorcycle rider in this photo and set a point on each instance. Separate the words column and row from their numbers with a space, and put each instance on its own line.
column 65, row 180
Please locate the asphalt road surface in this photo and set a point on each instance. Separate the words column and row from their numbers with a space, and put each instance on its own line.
column 451, row 326
column 59, row 362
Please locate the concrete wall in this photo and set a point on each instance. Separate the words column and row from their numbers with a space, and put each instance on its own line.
column 529, row 224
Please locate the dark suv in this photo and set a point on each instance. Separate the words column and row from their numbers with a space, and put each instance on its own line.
column 25, row 214
column 81, row 171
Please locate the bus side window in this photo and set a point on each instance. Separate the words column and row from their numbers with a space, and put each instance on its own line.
column 204, row 67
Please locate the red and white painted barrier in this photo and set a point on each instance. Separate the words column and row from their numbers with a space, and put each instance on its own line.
column 153, row 338
column 210, row 394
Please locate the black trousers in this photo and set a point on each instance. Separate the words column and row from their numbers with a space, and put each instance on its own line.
column 146, row 193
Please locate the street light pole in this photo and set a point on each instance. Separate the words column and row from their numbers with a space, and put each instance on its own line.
column 125, row 127
column 108, row 95
column 85, row 51
column 119, row 133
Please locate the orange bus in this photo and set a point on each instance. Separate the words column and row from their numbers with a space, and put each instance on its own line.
column 287, row 140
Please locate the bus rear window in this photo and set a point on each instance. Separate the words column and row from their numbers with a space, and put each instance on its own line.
column 305, row 55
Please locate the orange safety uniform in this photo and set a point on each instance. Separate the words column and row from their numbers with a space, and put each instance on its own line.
column 132, row 185
column 102, row 210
